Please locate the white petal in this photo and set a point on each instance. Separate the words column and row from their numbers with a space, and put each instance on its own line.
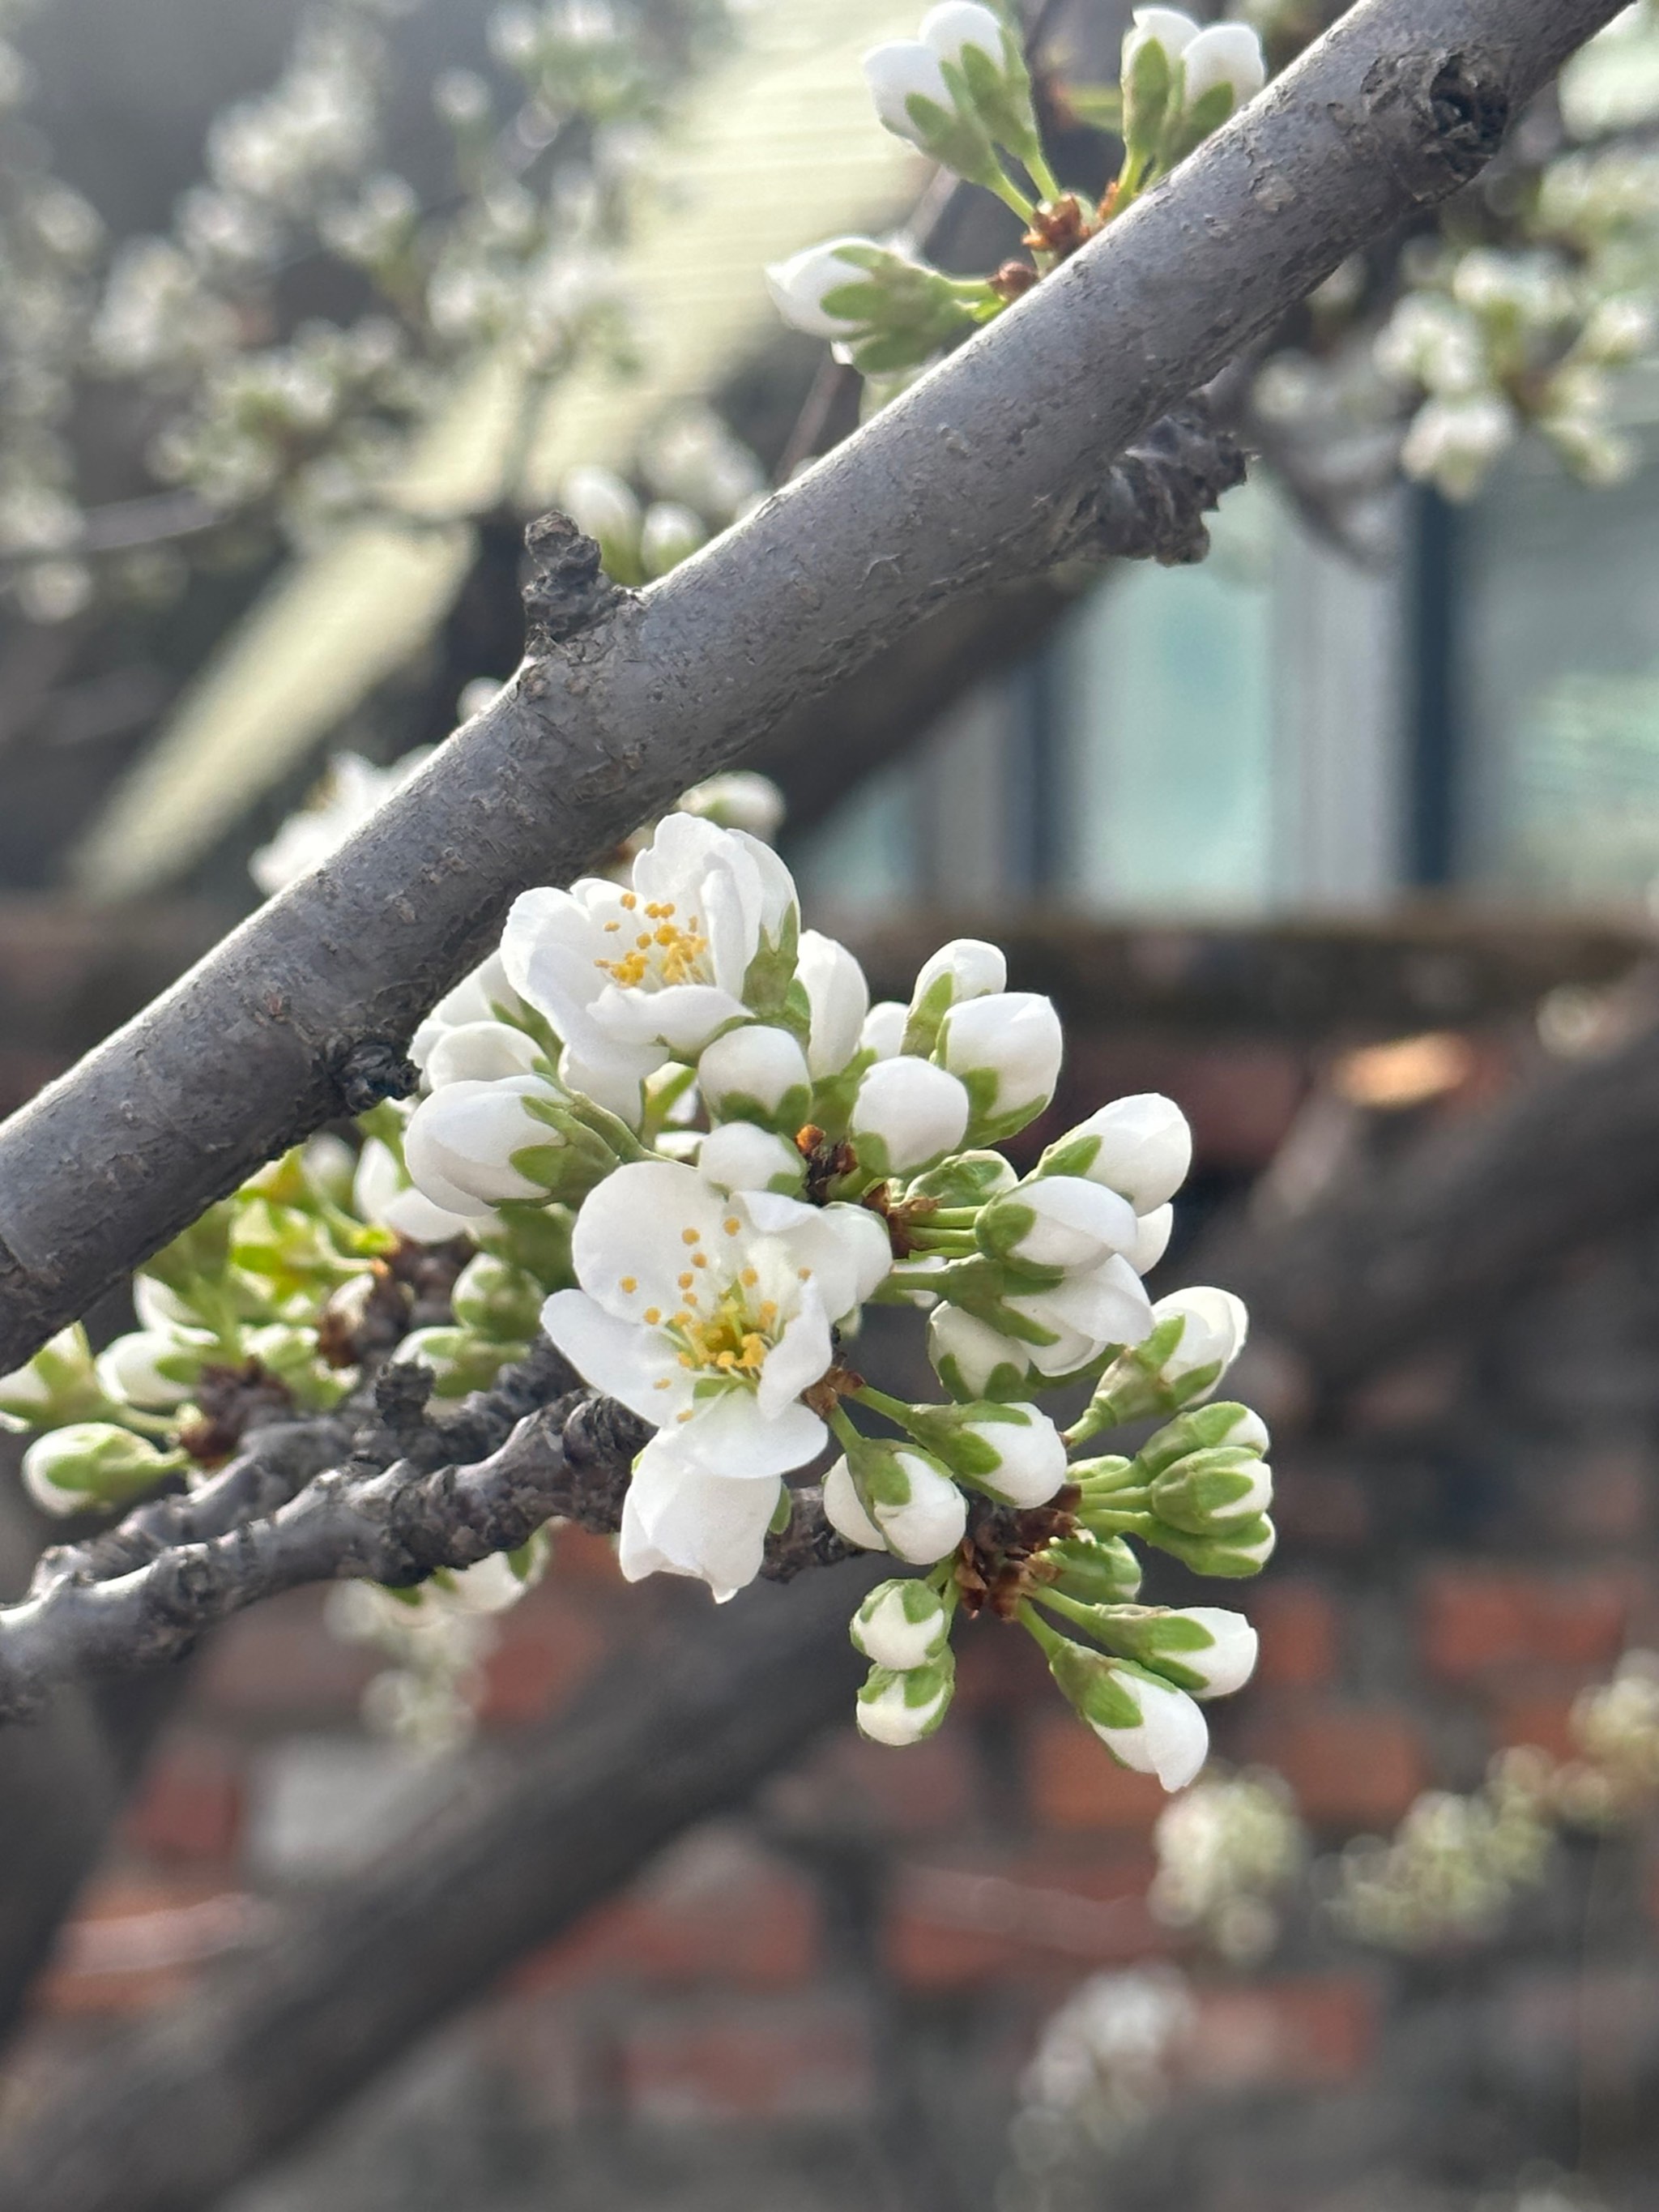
column 843, row 1510
column 623, row 1361
column 729, row 1435
column 679, row 1519
column 637, row 1228
column 1173, row 1739
column 738, row 1157
column 799, row 1358
column 479, row 1052
column 849, row 1251
column 839, row 999
column 884, row 1029
column 682, row 1016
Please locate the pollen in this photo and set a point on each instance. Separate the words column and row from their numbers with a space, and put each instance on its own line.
column 662, row 1383
column 630, row 900
column 690, row 1236
column 653, row 1316
column 805, row 1274
column 631, row 1283
column 732, row 1225
column 685, row 1416
column 611, row 928
column 687, row 1280
column 643, row 941
column 749, row 1278
column 700, row 1259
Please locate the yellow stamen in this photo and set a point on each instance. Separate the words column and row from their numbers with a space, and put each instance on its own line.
column 630, row 900
column 662, row 1383
column 690, row 1236
column 700, row 1259
column 687, row 1280
column 653, row 1316
column 749, row 1278
column 732, row 1225
column 631, row 1283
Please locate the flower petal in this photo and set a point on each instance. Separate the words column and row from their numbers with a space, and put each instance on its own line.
column 729, row 1435
column 635, row 1230
column 636, row 1365
column 799, row 1358
column 679, row 1519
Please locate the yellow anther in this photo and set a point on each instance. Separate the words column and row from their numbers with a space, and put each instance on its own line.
column 631, row 1283
column 681, row 1321
column 630, row 900
column 662, row 1383
column 690, row 1236
column 805, row 1274
column 687, row 1280
column 685, row 1416
column 611, row 927
column 653, row 1316
column 749, row 1278
column 686, row 1360
column 643, row 941
column 732, row 1225
column 700, row 1259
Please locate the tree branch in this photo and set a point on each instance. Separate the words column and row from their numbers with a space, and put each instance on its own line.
column 203, row 2096
column 983, row 473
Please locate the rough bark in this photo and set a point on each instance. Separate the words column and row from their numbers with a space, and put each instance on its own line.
column 204, row 2096
column 988, row 471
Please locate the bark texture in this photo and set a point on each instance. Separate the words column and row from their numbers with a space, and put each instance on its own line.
column 989, row 470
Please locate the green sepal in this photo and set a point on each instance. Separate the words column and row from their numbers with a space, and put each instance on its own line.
column 769, row 974
column 1198, row 1429
column 1094, row 1570
column 966, row 1179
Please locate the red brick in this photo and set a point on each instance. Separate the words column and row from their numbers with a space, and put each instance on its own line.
column 1317, row 2030
column 189, row 1805
column 1477, row 1619
column 136, row 1943
column 1075, row 1782
column 924, row 1789
column 1019, row 1916
column 545, row 1654
column 280, row 1662
column 1300, row 1638
column 717, row 1910
column 756, row 2060
column 1350, row 1766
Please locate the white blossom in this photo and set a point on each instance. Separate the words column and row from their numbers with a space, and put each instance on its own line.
column 899, row 72
column 739, row 1156
column 485, row 995
column 1164, row 27
column 352, row 790
column 1153, row 1233
column 709, row 1312
column 800, row 286
column 883, row 1033
column 1031, row 1453
column 627, row 976
column 968, row 966
column 479, row 1052
column 901, row 1709
column 971, row 1358
column 154, row 1369
column 680, row 1518
column 1229, row 1660
column 382, row 1193
column 843, row 1508
column 1059, row 1221
column 922, row 1522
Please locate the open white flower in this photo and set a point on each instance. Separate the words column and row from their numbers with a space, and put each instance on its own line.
column 680, row 1519
column 627, row 977
column 709, row 1312
column 838, row 998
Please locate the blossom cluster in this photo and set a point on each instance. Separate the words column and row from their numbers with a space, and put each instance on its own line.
column 961, row 92
column 664, row 1124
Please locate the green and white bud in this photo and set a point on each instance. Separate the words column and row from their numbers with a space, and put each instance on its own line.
column 1094, row 1570
column 1014, row 1451
column 757, row 1074
column 479, row 1052
column 1140, row 1147
column 972, row 1359
column 837, row 998
column 904, row 1496
column 1232, row 1555
column 900, row 1708
column 983, row 64
column 966, row 968
column 459, row 1361
column 600, row 502
column 474, row 1146
column 883, row 1034
column 968, row 1179
column 901, row 1625
column 494, row 1299
column 1143, row 1722
column 1202, row 1428
column 59, row 1384
column 881, row 309
column 739, row 1156
column 1222, row 55
column 1202, row 1648
column 915, row 100
column 1006, row 1048
column 1151, row 59
column 1194, row 1338
column 1060, row 1224
column 669, row 533
column 907, row 1115
column 90, row 1464
column 1210, row 1492
column 154, row 1369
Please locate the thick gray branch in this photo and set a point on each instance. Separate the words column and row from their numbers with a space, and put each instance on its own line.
column 983, row 473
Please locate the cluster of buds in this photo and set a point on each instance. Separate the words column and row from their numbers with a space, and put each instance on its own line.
column 961, row 92
column 665, row 1125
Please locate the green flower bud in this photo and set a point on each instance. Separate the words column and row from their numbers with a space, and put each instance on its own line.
column 902, row 1707
column 496, row 1300
column 59, row 1384
column 966, row 1180
column 1094, row 1570
column 1015, row 1451
column 1202, row 1650
column 1211, row 1491
column 1147, row 1723
column 1200, row 1429
column 901, row 1625
column 458, row 1360
column 1231, row 1554
column 93, row 1463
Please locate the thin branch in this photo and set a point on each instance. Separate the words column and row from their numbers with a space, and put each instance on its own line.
column 977, row 476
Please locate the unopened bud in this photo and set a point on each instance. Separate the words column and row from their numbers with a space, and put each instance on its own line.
column 757, row 1074
column 1015, row 1451
column 1203, row 1650
column 93, row 1463
column 59, row 1384
column 1210, row 1492
column 901, row 1625
column 901, row 1708
column 973, row 1360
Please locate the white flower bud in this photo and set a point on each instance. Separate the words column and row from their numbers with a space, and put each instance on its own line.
column 930, row 1521
column 843, row 1508
column 1152, row 1232
column 380, row 1194
column 1058, row 1221
column 598, row 502
column 898, row 73
column 900, row 1709
column 1140, row 1147
column 1229, row 1660
column 956, row 24
column 756, row 1074
column 901, row 1625
column 460, row 1142
column 1027, row 1450
column 1173, row 1739
column 972, row 968
column 883, row 1033
column 153, row 1369
column 800, row 285
column 1007, row 1049
column 972, row 1359
column 479, row 1052
column 60, row 1383
column 671, row 534
column 1224, row 53
column 907, row 1115
column 740, row 798
column 839, row 999
column 1216, row 1326
column 737, row 1156
column 91, row 1463
column 1455, row 442
column 1171, row 30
